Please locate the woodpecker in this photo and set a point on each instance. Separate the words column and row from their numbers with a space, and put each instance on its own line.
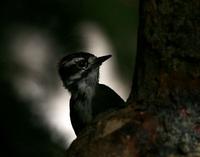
column 79, row 73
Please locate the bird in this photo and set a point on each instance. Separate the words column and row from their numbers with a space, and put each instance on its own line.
column 79, row 73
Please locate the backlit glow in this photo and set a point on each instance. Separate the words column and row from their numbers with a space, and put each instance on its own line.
column 38, row 82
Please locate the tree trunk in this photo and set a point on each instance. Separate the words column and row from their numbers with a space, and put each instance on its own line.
column 163, row 114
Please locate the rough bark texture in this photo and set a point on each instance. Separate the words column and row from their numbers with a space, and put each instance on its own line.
column 163, row 114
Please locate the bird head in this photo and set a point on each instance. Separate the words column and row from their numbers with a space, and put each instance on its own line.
column 77, row 68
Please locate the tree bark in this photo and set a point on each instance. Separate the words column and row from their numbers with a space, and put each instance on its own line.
column 163, row 114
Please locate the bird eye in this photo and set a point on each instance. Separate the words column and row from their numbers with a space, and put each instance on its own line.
column 82, row 64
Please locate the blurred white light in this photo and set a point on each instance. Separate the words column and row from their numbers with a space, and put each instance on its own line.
column 58, row 115
column 35, row 53
column 96, row 42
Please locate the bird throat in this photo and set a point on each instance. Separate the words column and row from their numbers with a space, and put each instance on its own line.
column 83, row 95
column 86, row 86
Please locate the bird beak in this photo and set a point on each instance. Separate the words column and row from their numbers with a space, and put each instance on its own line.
column 98, row 61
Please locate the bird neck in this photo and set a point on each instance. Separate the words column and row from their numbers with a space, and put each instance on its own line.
column 87, row 86
column 82, row 97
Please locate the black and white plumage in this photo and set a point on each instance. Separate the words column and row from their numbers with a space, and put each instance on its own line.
column 79, row 73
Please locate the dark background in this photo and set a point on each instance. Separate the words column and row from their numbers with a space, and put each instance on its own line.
column 57, row 24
